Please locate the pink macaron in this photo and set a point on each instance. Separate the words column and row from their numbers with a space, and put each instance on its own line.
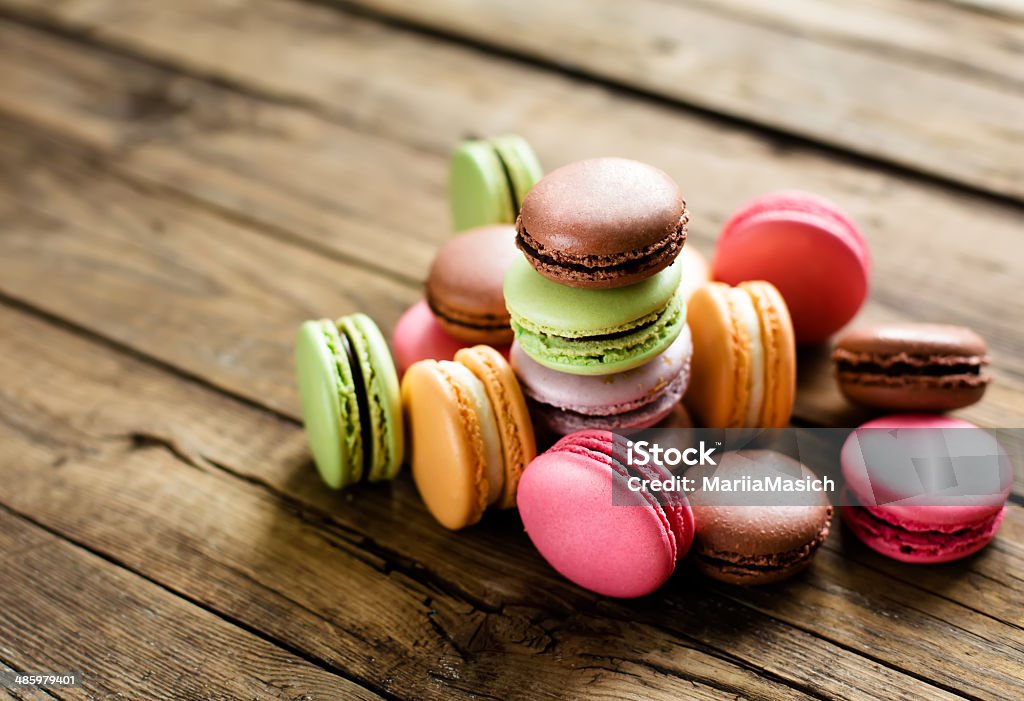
column 578, row 509
column 805, row 246
column 419, row 336
column 922, row 488
column 637, row 398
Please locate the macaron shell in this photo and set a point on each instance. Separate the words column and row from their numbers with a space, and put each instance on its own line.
column 602, row 223
column 521, row 164
column 446, row 446
column 330, row 412
column 915, row 394
column 718, row 393
column 602, row 207
column 924, row 549
column 773, row 239
column 900, row 498
column 779, row 342
column 518, row 442
column 547, row 307
column 743, row 539
column 565, row 501
column 383, row 395
column 565, row 422
column 604, row 395
column 419, row 336
column 464, row 284
column 479, row 190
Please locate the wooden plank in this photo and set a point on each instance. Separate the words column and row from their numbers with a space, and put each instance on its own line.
column 939, row 91
column 132, row 639
column 873, row 81
column 245, row 170
column 226, row 490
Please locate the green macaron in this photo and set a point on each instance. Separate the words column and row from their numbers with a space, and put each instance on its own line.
column 351, row 405
column 593, row 332
column 488, row 180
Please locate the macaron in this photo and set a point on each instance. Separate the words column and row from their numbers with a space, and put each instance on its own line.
column 470, row 434
column 637, row 398
column 604, row 222
column 349, row 394
column 489, row 179
column 744, row 357
column 912, row 367
column 464, row 285
column 754, row 538
column 923, row 488
column 579, row 512
column 593, row 332
column 418, row 335
column 808, row 248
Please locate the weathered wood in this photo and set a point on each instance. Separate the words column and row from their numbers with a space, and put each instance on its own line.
column 177, row 447
column 861, row 89
column 91, row 97
column 66, row 610
column 837, row 77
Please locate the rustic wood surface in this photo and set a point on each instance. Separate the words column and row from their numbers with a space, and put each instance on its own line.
column 182, row 183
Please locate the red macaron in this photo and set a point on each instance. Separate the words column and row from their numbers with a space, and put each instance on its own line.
column 923, row 488
column 808, row 248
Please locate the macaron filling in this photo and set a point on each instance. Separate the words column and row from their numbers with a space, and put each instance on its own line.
column 494, row 461
column 351, row 415
column 589, row 263
column 603, row 346
column 874, row 367
column 365, row 431
column 741, row 565
column 459, row 317
column 872, row 523
column 747, row 317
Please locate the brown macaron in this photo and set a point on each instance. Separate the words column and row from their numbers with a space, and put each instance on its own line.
column 756, row 537
column 604, row 222
column 464, row 286
column 912, row 367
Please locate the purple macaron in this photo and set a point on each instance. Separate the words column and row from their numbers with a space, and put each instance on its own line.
column 637, row 398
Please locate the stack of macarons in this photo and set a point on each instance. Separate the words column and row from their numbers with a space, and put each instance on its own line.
column 569, row 302
column 464, row 305
column 595, row 301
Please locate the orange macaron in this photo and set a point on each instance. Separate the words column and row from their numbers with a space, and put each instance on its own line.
column 470, row 434
column 744, row 356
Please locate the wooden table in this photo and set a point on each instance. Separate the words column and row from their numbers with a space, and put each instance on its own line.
column 184, row 182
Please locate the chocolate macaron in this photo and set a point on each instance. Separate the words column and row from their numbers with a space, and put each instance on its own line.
column 604, row 222
column 464, row 286
column 912, row 367
column 756, row 537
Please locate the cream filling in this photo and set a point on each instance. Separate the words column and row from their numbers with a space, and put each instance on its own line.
column 749, row 319
column 495, row 461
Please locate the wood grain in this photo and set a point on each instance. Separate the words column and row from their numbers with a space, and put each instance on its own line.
column 215, row 145
column 936, row 90
column 857, row 89
column 97, row 467
column 66, row 610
